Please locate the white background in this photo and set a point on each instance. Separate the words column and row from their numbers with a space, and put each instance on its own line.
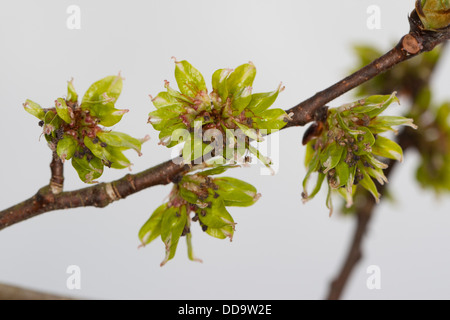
column 282, row 249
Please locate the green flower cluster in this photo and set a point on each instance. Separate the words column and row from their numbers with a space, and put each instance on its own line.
column 230, row 106
column 73, row 130
column 345, row 148
column 204, row 197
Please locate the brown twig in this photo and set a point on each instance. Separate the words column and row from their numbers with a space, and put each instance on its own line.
column 311, row 109
column 414, row 43
column 99, row 195
column 57, row 174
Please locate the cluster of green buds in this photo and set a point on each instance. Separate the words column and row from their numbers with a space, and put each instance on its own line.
column 76, row 130
column 346, row 146
column 197, row 197
column 434, row 14
column 230, row 106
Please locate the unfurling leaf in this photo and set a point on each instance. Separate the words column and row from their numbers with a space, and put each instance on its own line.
column 34, row 109
column 172, row 226
column 152, row 228
column 190, row 81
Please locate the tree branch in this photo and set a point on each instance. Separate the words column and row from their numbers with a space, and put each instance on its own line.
column 99, row 195
column 413, row 44
column 8, row 292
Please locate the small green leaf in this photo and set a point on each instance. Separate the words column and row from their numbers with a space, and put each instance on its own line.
column 378, row 174
column 381, row 102
column 66, row 147
column 313, row 165
column 260, row 102
column 152, row 228
column 241, row 100
column 88, row 171
column 72, row 95
column 309, row 154
column 219, row 83
column 177, row 95
column 51, row 123
column 319, row 182
column 271, row 120
column 190, row 248
column 172, row 226
column 387, row 148
column 120, row 140
column 64, row 112
column 343, row 174
column 331, row 156
column 221, row 233
column 369, row 185
column 240, row 78
column 265, row 160
column 386, row 122
column 235, row 192
column 190, row 81
column 188, row 195
column 34, row 109
column 215, row 216
column 164, row 99
column 100, row 99
column 107, row 89
column 168, row 112
column 118, row 159
column 111, row 156
column 249, row 132
column 173, row 134
column 365, row 141
column 107, row 114
column 344, row 125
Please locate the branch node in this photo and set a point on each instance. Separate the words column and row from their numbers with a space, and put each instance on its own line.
column 112, row 192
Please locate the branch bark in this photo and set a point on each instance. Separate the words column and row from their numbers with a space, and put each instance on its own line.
column 99, row 195
column 418, row 41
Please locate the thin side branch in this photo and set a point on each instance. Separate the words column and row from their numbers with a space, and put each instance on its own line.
column 57, row 174
column 414, row 43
